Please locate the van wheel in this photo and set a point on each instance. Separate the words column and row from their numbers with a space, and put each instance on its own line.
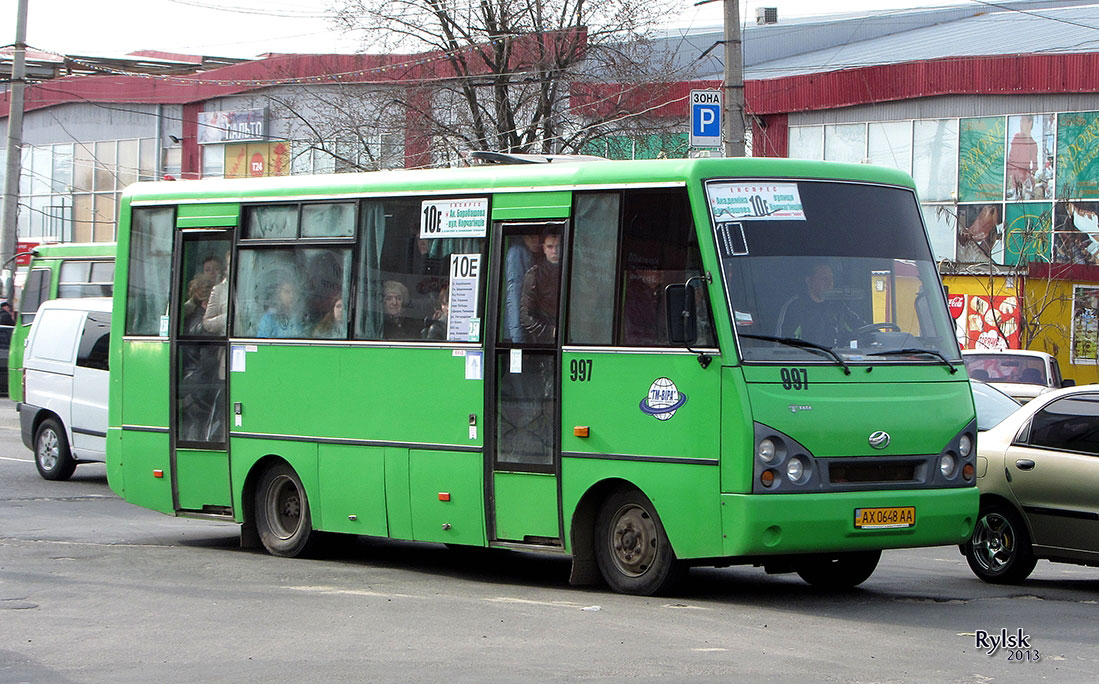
column 51, row 451
column 999, row 550
column 839, row 571
column 632, row 550
column 282, row 513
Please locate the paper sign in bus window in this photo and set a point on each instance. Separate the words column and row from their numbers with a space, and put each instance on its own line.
column 755, row 201
column 454, row 218
column 462, row 297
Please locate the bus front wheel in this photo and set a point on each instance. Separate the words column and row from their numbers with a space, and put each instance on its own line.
column 838, row 571
column 282, row 512
column 631, row 548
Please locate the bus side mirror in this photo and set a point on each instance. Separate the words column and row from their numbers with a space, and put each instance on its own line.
column 680, row 311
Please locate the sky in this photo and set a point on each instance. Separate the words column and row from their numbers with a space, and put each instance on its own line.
column 246, row 28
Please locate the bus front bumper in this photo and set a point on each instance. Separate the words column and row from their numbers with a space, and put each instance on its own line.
column 760, row 524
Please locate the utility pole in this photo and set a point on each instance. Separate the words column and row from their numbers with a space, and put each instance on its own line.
column 734, row 82
column 12, row 168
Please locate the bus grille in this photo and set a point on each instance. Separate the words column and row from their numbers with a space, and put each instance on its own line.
column 862, row 473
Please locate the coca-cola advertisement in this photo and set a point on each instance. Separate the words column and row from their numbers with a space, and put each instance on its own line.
column 984, row 322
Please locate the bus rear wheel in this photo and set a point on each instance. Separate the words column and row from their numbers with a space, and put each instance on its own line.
column 838, row 571
column 282, row 513
column 631, row 548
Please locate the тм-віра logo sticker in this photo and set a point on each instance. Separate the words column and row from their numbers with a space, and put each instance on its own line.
column 663, row 400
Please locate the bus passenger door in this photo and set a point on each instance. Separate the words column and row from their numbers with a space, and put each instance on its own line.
column 199, row 459
column 523, row 382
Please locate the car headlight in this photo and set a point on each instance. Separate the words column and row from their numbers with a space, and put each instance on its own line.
column 965, row 445
column 948, row 465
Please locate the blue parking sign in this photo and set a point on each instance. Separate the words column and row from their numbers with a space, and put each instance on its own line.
column 705, row 118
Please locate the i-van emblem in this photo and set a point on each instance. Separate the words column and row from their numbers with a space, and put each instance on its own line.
column 879, row 439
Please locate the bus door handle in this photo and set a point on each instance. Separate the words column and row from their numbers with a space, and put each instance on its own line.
column 1024, row 464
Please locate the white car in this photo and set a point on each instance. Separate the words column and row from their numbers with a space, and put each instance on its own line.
column 63, row 415
column 1021, row 373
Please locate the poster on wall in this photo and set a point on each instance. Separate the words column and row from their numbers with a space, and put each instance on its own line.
column 1085, row 328
column 1030, row 154
column 1028, row 227
column 1076, row 233
column 1078, row 155
column 981, row 159
column 980, row 233
column 983, row 322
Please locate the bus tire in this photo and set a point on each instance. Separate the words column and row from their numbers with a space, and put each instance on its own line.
column 51, row 451
column 999, row 549
column 283, row 521
column 631, row 548
column 838, row 571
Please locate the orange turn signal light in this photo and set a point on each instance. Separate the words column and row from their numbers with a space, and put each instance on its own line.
column 767, row 478
column 581, row 431
column 444, row 496
column 967, row 471
column 158, row 473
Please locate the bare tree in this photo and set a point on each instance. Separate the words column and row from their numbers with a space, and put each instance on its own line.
column 520, row 75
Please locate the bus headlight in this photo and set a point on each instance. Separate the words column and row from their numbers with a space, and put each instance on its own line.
column 965, row 445
column 766, row 451
column 796, row 471
column 947, row 465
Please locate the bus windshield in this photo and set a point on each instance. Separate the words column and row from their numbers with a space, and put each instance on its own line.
column 828, row 271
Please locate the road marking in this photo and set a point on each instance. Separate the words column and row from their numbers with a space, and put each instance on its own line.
column 17, row 460
column 708, row 650
column 554, row 604
column 351, row 592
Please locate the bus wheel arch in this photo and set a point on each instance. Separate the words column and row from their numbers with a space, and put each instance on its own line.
column 585, row 570
column 277, row 510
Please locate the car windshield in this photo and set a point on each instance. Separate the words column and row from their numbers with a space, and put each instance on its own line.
column 1020, row 368
column 818, row 270
column 992, row 406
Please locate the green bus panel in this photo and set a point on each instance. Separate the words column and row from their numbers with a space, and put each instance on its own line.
column 250, row 456
column 142, row 455
column 512, row 206
column 801, row 523
column 526, row 505
column 352, row 482
column 397, row 505
column 145, row 367
column 686, row 497
column 202, row 479
column 887, row 399
column 613, row 402
column 418, row 396
column 207, row 215
column 116, row 475
column 447, row 496
column 737, row 435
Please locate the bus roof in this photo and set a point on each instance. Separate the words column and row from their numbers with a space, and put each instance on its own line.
column 64, row 250
column 556, row 176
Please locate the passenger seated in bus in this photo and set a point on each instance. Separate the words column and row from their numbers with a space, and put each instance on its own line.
column 283, row 317
column 538, row 302
column 435, row 325
column 522, row 254
column 198, row 297
column 397, row 325
column 333, row 325
column 213, row 320
column 813, row 316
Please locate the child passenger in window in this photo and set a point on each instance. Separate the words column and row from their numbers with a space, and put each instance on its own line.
column 283, row 318
column 332, row 326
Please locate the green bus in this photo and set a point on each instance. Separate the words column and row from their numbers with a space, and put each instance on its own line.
column 644, row 365
column 72, row 269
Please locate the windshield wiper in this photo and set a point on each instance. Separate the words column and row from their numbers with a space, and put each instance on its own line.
column 914, row 350
column 801, row 344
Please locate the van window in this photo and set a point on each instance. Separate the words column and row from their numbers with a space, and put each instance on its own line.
column 95, row 342
column 35, row 291
column 55, row 335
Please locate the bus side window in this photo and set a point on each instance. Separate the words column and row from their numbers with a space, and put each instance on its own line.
column 292, row 292
column 594, row 253
column 659, row 248
column 35, row 291
column 149, row 288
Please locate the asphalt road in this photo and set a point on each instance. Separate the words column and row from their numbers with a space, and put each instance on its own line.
column 93, row 589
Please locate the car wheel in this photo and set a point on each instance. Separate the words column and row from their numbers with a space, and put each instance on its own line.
column 999, row 550
column 631, row 548
column 283, row 521
column 838, row 571
column 51, row 451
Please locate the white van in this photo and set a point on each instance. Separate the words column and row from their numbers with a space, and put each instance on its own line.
column 63, row 414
